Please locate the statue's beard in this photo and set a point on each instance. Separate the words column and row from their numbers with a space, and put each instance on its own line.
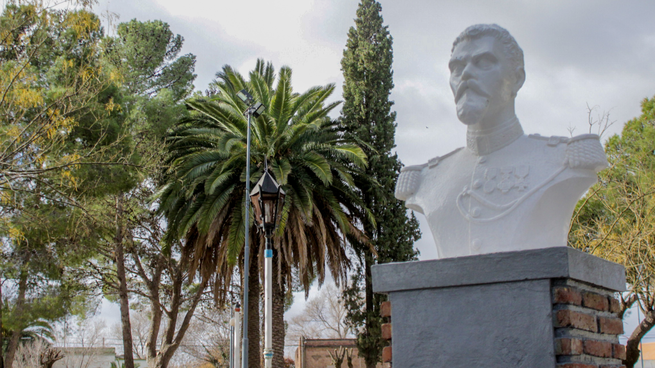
column 472, row 102
column 471, row 107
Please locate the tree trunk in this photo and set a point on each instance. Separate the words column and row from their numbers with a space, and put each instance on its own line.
column 254, row 347
column 16, row 333
column 155, row 304
column 164, row 356
column 371, row 358
column 49, row 357
column 122, row 286
column 169, row 345
column 13, row 345
column 632, row 346
column 155, row 325
column 173, row 340
column 279, row 288
column 349, row 359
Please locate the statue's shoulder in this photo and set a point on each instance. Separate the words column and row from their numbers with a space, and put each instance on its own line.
column 581, row 152
column 409, row 179
column 586, row 152
column 436, row 160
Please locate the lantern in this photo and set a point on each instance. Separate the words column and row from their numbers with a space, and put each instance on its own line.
column 267, row 199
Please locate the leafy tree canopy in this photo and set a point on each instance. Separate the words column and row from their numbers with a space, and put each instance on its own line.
column 368, row 119
column 616, row 218
column 147, row 56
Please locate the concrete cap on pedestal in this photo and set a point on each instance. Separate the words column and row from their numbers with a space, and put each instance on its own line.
column 548, row 263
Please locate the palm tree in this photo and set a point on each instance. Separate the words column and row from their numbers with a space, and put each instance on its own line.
column 204, row 194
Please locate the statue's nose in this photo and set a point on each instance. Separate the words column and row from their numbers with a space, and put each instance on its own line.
column 467, row 73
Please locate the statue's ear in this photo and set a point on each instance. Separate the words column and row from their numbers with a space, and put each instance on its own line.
column 520, row 79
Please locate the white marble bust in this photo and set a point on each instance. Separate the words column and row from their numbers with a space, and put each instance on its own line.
column 505, row 190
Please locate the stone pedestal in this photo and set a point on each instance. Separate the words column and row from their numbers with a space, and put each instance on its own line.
column 531, row 309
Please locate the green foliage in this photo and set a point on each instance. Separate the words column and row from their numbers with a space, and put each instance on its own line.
column 367, row 118
column 51, row 76
column 82, row 122
column 203, row 199
column 616, row 218
column 142, row 105
column 34, row 330
column 369, row 338
column 154, row 80
column 146, row 54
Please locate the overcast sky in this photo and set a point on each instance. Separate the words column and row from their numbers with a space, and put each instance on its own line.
column 577, row 53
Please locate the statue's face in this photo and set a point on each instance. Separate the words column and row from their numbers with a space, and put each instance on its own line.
column 482, row 79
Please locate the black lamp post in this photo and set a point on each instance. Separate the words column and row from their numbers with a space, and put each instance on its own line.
column 253, row 110
column 268, row 199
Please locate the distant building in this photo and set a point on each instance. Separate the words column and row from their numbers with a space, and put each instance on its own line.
column 93, row 358
column 314, row 353
column 648, row 352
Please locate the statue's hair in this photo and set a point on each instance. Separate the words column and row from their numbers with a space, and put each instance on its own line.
column 511, row 47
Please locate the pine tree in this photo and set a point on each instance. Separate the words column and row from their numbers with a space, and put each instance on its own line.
column 367, row 117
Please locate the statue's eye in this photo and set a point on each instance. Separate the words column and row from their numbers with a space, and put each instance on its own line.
column 456, row 66
column 485, row 62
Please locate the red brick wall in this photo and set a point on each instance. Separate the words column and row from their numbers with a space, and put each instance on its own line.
column 316, row 353
column 586, row 326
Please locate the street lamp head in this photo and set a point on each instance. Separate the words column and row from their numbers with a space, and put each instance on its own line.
column 258, row 109
column 255, row 110
column 267, row 199
column 245, row 97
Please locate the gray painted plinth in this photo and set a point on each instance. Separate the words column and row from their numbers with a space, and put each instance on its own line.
column 491, row 310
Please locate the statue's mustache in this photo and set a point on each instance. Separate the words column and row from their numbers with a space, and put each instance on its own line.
column 473, row 85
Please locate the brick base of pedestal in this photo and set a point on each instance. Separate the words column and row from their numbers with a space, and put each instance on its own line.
column 586, row 326
column 538, row 308
column 385, row 312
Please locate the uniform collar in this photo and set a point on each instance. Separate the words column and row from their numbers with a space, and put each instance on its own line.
column 484, row 143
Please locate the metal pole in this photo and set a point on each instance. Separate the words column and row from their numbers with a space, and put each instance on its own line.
column 237, row 337
column 641, row 346
column 302, row 352
column 268, row 304
column 231, row 363
column 246, row 257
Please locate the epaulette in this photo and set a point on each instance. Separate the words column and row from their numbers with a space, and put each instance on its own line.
column 408, row 181
column 410, row 176
column 586, row 152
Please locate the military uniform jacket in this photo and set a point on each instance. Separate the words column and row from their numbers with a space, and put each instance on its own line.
column 519, row 197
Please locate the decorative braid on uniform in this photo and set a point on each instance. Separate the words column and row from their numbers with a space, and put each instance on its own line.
column 586, row 152
column 408, row 181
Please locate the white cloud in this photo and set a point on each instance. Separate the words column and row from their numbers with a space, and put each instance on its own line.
column 596, row 52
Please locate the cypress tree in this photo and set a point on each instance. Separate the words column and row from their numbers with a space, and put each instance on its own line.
column 367, row 118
